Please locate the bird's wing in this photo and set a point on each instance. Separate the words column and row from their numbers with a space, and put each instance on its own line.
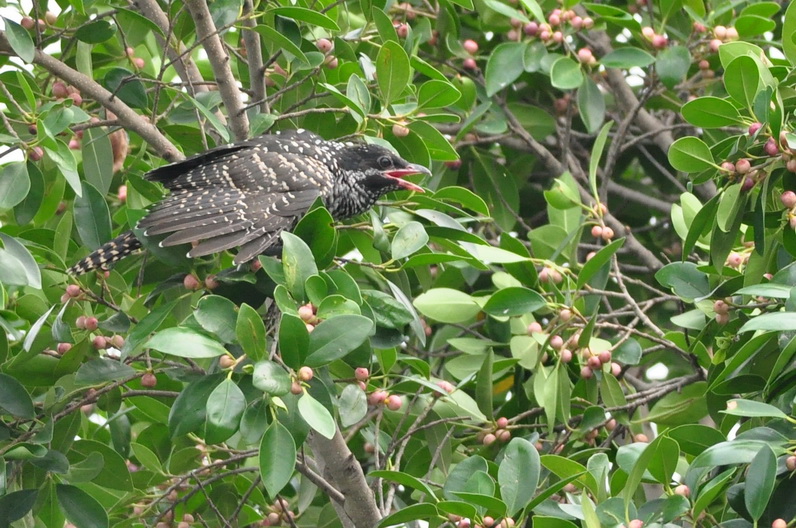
column 244, row 197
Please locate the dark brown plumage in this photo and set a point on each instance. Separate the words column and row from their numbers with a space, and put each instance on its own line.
column 244, row 194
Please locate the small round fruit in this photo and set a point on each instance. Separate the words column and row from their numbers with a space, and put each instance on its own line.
column 608, row 233
column 659, row 42
column 117, row 341
column 610, row 425
column 771, row 148
column 73, row 290
column 63, row 348
column 586, row 373
column 454, row 165
column 139, row 62
column 594, row 362
column 604, row 356
column 641, row 437
column 469, row 64
column 149, row 380
column 76, row 98
column 779, row 523
column 324, row 45
column 585, row 55
column 211, row 282
column 732, row 34
column 60, row 90
column 378, row 396
column 27, row 23
column 306, row 313
column 305, row 374
column 635, row 523
column 648, row 33
column 556, row 342
column 720, row 32
column 588, row 22
column 531, row 29
column 92, row 323
column 80, row 322
column 790, row 463
column 721, row 307
column 534, row 328
column 683, row 490
column 565, row 314
column 788, row 199
column 191, row 282
column 447, row 386
column 504, row 435
column 754, row 127
column 333, row 63
column 597, row 231
column 393, row 402
column 488, row 521
column 35, row 154
column 130, row 52
column 742, row 166
column 616, row 369
column 728, row 166
column 400, row 130
column 502, row 422
column 734, row 260
column 226, row 362
column 566, row 355
column 722, row 319
column 362, row 374
column 402, row 31
column 51, row 18
column 470, row 46
column 295, row 388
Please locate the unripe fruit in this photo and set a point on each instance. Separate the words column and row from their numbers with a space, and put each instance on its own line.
column 616, row 369
column 699, row 27
column 183, row 524
column 191, row 282
column 588, row 22
column 36, row 153
column 714, row 45
column 732, row 34
column 790, row 463
column 469, row 64
column 27, row 23
column 576, row 22
column 470, row 46
column 464, row 523
column 720, row 32
column 295, row 388
column 91, row 323
column 211, row 283
column 788, row 199
column 74, row 144
column 59, row 90
column 779, row 523
column 585, row 55
column 504, row 435
column 605, row 356
column 771, row 148
column 554, row 19
column 310, row 327
column 51, row 18
column 610, row 425
column 378, row 396
column 149, row 380
column 566, row 355
column 402, row 31
column 531, row 29
column 226, row 362
column 274, row 518
column 393, row 402
column 400, row 130
column 76, row 98
column 586, row 373
column 100, row 343
column 73, row 290
column 608, row 233
column 117, row 341
column 447, row 386
column 130, row 52
column 748, row 184
column 704, row 65
column 597, row 231
column 534, row 328
column 565, row 314
column 362, row 374
column 558, row 37
column 648, row 33
column 728, row 166
column 683, row 490
column 641, row 437
column 722, row 319
column 742, row 166
column 306, row 313
column 139, row 63
column 332, row 63
column 754, row 127
column 80, row 322
column 305, row 374
column 63, row 348
column 734, row 260
column 488, row 521
column 721, row 307
column 635, row 523
column 660, row 41
column 556, row 342
column 324, row 45
column 453, row 165
column 594, row 362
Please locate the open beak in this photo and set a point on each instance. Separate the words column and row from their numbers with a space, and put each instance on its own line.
column 399, row 174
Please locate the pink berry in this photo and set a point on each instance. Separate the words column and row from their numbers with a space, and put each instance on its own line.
column 36, row 153
column 306, row 313
column 400, row 130
column 659, row 41
column 470, row 46
column 305, row 374
column 565, row 314
column 59, row 90
column 566, row 355
column 324, row 45
column 771, row 148
column 362, row 374
column 585, row 55
column 728, row 166
column 558, row 37
column 122, row 193
column 754, row 127
column 76, row 98
column 722, row 319
column 139, row 63
column 191, row 282
column 393, row 402
column 734, row 260
column 732, row 34
column 641, row 437
column 100, row 343
column 63, row 348
column 296, row 388
column 790, row 463
column 73, row 290
column 402, row 31
column 489, row 439
column 721, row 307
column 635, row 523
column 720, row 32
column 605, row 357
column 502, row 422
column 504, row 435
column 648, row 33
column 149, row 380
column 27, row 23
column 310, row 327
column 576, row 22
column 130, row 52
column 779, row 523
column 81, row 322
column 616, row 369
column 117, row 341
column 704, row 65
column 447, row 386
column 608, row 233
column 531, row 29
column 488, row 521
column 714, row 45
column 556, row 342
column 534, row 328
column 742, row 166
column 594, row 362
column 586, row 373
column 454, row 165
column 588, row 22
column 332, row 63
column 683, row 490
column 699, row 27
column 554, row 19
column 92, row 323
column 211, row 282
column 597, row 231
column 378, row 396
column 469, row 64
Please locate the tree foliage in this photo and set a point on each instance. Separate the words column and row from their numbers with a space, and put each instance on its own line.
column 587, row 320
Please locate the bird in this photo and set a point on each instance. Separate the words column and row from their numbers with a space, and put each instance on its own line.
column 244, row 194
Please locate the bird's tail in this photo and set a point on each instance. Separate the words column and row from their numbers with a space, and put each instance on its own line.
column 104, row 257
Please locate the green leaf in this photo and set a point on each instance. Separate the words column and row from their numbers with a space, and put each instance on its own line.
column 788, row 32
column 513, row 301
column 16, row 504
column 217, row 315
column 447, row 305
column 189, row 411
column 596, row 154
column 760, row 481
column 600, row 259
column 271, row 378
column 410, row 238
column 404, row 479
column 753, row 409
column 778, row 321
column 353, row 405
column 14, row 184
column 294, row 340
column 415, row 512
column 626, row 58
column 690, row 154
column 518, row 474
column 277, row 458
column 316, row 416
column 20, row 41
column 392, row 70
column 92, row 217
column 742, row 80
column 250, row 331
column 484, row 386
column 672, row 65
column 95, row 32
column 437, row 94
column 685, row 279
column 504, row 66
column 298, row 263
column 336, row 337
column 98, row 371
column 17, row 265
column 280, row 41
column 225, row 407
column 729, row 207
column 97, row 159
column 184, row 342
column 125, row 85
column 565, row 74
column 83, row 510
column 591, row 104
column 14, row 399
column 710, row 112
column 311, row 17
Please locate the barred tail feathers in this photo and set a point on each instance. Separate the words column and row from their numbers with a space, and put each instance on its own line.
column 104, row 257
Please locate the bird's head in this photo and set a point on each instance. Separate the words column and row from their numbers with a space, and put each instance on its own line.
column 379, row 170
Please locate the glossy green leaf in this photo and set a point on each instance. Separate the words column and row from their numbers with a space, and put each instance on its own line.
column 250, row 332
column 316, row 416
column 97, row 159
column 298, row 263
column 80, row 508
column 271, row 378
column 309, row 16
column 710, row 112
column 96, row 31
column 189, row 411
column 92, row 217
column 591, row 104
column 353, row 405
column 17, row 265
column 504, row 66
column 513, row 301
column 437, row 94
column 277, row 458
column 410, row 238
column 518, row 474
column 184, row 342
column 672, row 65
column 690, row 154
column 336, row 338
column 742, row 80
column 225, row 406
column 19, row 39
column 565, row 74
column 14, row 399
column 777, row 321
column 447, row 305
column 760, row 482
column 14, row 184
column 393, row 71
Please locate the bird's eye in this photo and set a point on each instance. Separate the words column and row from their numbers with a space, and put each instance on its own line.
column 385, row 162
